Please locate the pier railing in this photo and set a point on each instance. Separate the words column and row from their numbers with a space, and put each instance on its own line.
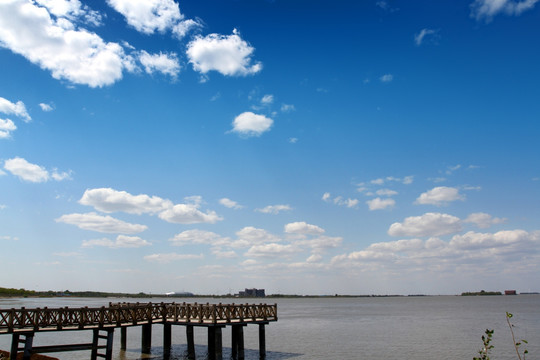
column 132, row 314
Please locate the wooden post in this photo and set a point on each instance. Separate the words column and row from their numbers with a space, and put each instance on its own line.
column 14, row 346
column 95, row 340
column 146, row 338
column 234, row 342
column 28, row 340
column 123, row 338
column 211, row 343
column 190, row 342
column 167, row 337
column 110, row 340
column 238, row 342
column 262, row 342
column 219, row 343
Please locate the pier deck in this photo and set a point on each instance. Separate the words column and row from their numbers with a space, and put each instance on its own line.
column 25, row 322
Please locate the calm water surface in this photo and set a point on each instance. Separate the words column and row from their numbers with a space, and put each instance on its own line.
column 431, row 327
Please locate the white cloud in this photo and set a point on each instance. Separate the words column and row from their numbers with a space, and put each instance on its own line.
column 164, row 63
column 507, row 238
column 271, row 250
column 267, row 99
column 320, row 243
column 439, row 196
column 6, row 127
column 350, row 203
column 122, row 241
column 429, row 224
column 78, row 56
column 226, row 54
column 149, row 16
column 274, row 209
column 326, row 196
column 100, row 223
column 6, row 106
column 487, row 9
column 72, row 10
column 483, row 220
column 301, row 227
column 378, row 181
column 386, row 78
column 380, row 204
column 189, row 214
column 167, row 258
column 315, row 258
column 195, row 236
column 46, row 107
column 109, row 200
column 423, row 34
column 386, row 192
column 32, row 172
column 252, row 235
column 293, row 140
column 451, row 169
column 287, row 108
column 249, row 124
column 230, row 203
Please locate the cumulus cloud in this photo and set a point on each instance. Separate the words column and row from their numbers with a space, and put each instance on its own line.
column 109, row 200
column 46, row 107
column 350, row 203
column 230, row 203
column 189, row 214
column 229, row 55
column 250, row 235
column 165, row 63
column 487, row 9
column 9, row 108
column 32, row 172
column 122, row 241
column 105, row 224
column 422, row 35
column 380, row 204
column 475, row 249
column 249, row 124
column 429, row 224
column 271, row 250
column 439, row 196
column 197, row 237
column 169, row 257
column 56, row 45
column 301, row 227
column 274, row 209
column 483, row 220
column 6, row 127
column 149, row 16
column 507, row 238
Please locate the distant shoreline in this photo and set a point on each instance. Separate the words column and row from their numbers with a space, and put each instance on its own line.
column 18, row 293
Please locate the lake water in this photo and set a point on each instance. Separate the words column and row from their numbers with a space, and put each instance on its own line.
column 426, row 327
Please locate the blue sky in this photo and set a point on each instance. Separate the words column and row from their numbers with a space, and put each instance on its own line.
column 310, row 147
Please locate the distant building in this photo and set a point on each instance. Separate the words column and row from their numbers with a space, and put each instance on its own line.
column 510, row 292
column 252, row 293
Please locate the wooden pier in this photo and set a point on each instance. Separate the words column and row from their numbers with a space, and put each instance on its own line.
column 23, row 323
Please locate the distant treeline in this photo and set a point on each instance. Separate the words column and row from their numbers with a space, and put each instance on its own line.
column 7, row 292
column 477, row 293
